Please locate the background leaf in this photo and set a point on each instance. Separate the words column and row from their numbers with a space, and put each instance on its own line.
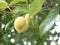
column 49, row 21
column 3, row 4
column 35, row 7
column 17, row 1
column 5, row 37
column 20, row 9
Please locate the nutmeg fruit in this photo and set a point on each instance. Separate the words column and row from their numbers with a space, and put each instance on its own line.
column 21, row 24
column 28, row 17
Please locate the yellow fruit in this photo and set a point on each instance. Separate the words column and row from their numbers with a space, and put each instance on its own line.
column 28, row 18
column 21, row 24
column 31, row 18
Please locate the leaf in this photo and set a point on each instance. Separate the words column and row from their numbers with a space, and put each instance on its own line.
column 20, row 9
column 35, row 7
column 5, row 37
column 1, row 43
column 17, row 1
column 3, row 4
column 49, row 21
column 9, row 23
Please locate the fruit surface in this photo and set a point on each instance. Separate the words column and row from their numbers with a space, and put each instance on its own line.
column 21, row 24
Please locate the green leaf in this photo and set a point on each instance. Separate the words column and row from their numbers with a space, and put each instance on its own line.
column 1, row 43
column 3, row 4
column 20, row 9
column 35, row 7
column 49, row 21
column 17, row 1
column 5, row 37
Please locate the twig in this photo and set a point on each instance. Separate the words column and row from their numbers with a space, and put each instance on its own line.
column 12, row 12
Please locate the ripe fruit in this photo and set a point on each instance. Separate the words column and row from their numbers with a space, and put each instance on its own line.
column 28, row 18
column 21, row 24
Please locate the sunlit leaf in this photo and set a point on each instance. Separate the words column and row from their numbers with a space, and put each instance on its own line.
column 35, row 6
column 3, row 4
column 49, row 21
column 17, row 1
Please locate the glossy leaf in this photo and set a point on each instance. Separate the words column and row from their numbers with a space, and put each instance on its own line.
column 35, row 6
column 49, row 21
column 3, row 4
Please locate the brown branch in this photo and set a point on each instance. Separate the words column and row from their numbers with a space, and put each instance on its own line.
column 11, row 12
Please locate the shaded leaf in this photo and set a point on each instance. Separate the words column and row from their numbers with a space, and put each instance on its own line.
column 35, row 7
column 5, row 37
column 49, row 21
column 1, row 43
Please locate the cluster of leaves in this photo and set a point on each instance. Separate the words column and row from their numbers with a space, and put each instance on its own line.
column 44, row 12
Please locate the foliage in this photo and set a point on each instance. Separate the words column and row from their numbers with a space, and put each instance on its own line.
column 43, row 11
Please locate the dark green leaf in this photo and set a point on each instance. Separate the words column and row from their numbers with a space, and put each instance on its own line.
column 5, row 37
